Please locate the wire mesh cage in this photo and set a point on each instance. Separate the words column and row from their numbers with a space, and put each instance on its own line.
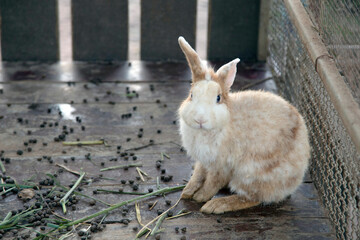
column 335, row 163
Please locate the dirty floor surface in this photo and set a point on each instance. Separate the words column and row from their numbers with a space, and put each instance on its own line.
column 129, row 105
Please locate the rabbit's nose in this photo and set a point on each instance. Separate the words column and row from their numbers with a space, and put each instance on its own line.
column 200, row 121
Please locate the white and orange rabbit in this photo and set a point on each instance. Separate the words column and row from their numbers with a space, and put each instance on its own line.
column 254, row 142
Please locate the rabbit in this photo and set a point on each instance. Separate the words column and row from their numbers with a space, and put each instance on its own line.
column 254, row 142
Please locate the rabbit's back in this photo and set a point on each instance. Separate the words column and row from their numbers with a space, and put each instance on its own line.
column 265, row 122
column 272, row 139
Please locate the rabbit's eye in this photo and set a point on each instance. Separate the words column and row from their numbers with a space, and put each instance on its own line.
column 190, row 95
column 218, row 98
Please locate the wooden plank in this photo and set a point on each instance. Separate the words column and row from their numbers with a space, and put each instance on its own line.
column 162, row 22
column 233, row 29
column 100, row 30
column 204, row 227
column 52, row 93
column 29, row 30
column 134, row 71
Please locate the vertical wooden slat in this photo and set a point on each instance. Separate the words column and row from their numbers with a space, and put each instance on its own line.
column 233, row 29
column 262, row 51
column 29, row 30
column 100, row 30
column 162, row 22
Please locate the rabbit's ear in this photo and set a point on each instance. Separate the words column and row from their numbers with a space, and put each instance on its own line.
column 227, row 73
column 197, row 68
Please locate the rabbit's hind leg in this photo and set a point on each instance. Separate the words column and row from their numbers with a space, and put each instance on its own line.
column 195, row 182
column 227, row 204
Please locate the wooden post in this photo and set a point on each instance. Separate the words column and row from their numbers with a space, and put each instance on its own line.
column 162, row 22
column 233, row 29
column 29, row 30
column 100, row 30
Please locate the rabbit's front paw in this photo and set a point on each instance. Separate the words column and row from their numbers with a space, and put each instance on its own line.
column 203, row 195
column 190, row 189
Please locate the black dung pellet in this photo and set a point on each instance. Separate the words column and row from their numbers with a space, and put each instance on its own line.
column 163, row 171
column 158, row 164
column 151, row 141
column 159, row 131
column 131, row 181
column 159, row 211
column 126, row 158
column 92, row 202
column 168, row 202
column 135, row 187
column 84, row 100
column 183, row 238
column 95, row 192
column 151, row 116
column 29, row 132
column 150, row 204
column 138, row 178
column 134, row 108
column 121, row 189
column 118, row 147
column 72, row 158
column 139, row 135
column 83, row 128
column 123, row 181
column 150, row 190
column 81, row 232
column 183, row 230
column 128, row 139
column 125, row 221
column 135, row 229
column 157, row 237
column 19, row 152
column 157, row 100
column 102, row 164
column 176, row 229
column 134, row 158
column 219, row 220
column 29, row 149
column 170, row 213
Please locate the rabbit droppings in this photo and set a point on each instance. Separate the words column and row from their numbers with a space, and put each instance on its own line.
column 255, row 142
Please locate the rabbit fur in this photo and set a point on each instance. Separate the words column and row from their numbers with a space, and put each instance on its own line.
column 254, row 142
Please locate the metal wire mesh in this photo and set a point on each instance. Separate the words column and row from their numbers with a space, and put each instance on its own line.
column 335, row 163
column 338, row 22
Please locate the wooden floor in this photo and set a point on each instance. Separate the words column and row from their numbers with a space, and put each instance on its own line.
column 96, row 93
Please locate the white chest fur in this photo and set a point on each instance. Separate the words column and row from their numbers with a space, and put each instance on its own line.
column 202, row 145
